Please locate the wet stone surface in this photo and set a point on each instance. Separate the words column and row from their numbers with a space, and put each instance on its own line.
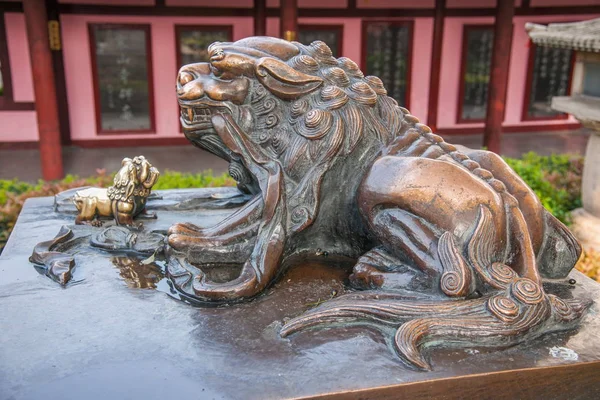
column 116, row 330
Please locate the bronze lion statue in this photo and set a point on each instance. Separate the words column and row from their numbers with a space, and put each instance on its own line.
column 448, row 243
column 124, row 200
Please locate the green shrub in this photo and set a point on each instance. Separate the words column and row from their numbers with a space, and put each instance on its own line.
column 556, row 180
column 178, row 180
column 14, row 186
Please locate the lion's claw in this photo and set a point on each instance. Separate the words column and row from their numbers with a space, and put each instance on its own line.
column 366, row 277
column 179, row 242
column 185, row 228
column 205, row 251
column 246, row 285
column 193, row 283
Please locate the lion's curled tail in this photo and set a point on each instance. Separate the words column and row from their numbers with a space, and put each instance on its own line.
column 516, row 308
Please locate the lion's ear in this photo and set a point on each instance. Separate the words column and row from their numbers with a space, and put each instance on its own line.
column 284, row 81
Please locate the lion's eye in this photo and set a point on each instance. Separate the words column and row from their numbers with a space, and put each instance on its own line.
column 220, row 74
column 218, row 55
column 216, row 71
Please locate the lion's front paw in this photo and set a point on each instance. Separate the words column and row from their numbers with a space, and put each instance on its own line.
column 181, row 242
column 184, row 237
column 211, row 250
column 244, row 286
column 192, row 282
column 366, row 277
column 185, row 229
column 90, row 222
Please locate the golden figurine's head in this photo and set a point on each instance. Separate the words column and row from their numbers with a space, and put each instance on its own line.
column 135, row 178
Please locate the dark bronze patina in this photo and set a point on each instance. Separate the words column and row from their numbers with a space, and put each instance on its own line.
column 451, row 246
column 51, row 258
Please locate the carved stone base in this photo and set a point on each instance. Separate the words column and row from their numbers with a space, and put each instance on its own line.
column 115, row 331
column 586, row 227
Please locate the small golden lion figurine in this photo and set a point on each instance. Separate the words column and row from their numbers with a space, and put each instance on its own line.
column 124, row 200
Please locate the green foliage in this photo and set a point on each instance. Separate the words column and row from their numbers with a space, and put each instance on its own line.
column 475, row 78
column 555, row 179
column 178, row 180
column 12, row 186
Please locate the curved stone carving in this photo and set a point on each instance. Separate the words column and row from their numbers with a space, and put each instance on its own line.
column 451, row 242
column 121, row 239
column 58, row 265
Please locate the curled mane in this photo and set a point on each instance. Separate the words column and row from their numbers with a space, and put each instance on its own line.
column 362, row 104
column 359, row 101
column 320, row 125
column 310, row 110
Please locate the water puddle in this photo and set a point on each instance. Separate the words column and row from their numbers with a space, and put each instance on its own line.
column 137, row 274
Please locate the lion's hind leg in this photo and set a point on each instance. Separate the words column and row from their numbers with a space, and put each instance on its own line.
column 373, row 269
column 408, row 237
column 514, row 309
column 407, row 257
column 87, row 207
column 379, row 269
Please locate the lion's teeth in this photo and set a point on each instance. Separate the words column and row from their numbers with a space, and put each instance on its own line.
column 197, row 114
column 202, row 115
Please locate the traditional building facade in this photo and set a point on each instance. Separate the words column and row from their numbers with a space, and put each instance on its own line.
column 115, row 61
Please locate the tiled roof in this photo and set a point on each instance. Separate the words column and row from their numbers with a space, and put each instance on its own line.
column 582, row 36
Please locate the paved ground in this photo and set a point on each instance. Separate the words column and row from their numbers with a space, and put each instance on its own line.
column 25, row 164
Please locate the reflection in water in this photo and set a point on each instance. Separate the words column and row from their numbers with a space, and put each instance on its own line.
column 138, row 275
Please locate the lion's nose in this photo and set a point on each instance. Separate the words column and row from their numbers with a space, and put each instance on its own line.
column 191, row 80
column 185, row 77
column 191, row 91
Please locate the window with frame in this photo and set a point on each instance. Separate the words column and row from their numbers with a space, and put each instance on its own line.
column 591, row 79
column 7, row 101
column 332, row 35
column 478, row 43
column 387, row 54
column 122, row 73
column 193, row 41
column 3, row 55
column 549, row 75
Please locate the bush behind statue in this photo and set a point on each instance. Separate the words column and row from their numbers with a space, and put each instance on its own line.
column 556, row 180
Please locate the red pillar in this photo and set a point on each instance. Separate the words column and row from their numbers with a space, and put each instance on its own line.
column 289, row 19
column 260, row 17
column 44, row 88
column 499, row 75
column 436, row 61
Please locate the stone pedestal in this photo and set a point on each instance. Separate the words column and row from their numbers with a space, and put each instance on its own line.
column 116, row 332
column 586, row 221
column 586, row 228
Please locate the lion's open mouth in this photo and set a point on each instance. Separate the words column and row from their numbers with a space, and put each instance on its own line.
column 198, row 117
